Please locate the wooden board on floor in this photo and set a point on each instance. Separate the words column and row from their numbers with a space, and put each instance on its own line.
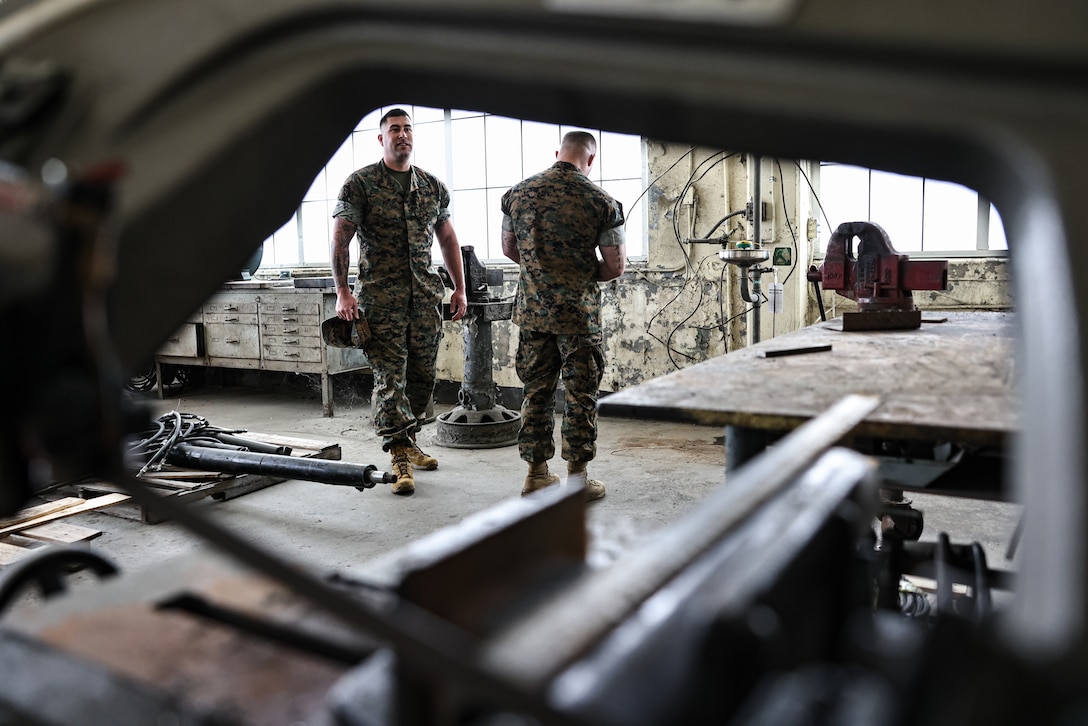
column 61, row 533
column 24, row 515
column 187, row 485
column 10, row 553
column 38, row 527
column 84, row 505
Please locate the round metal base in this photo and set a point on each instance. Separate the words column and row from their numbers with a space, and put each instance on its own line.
column 744, row 258
column 463, row 428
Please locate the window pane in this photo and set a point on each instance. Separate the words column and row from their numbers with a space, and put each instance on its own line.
column 425, row 114
column 429, row 150
column 494, row 227
column 317, row 188
column 619, row 156
column 997, row 239
column 315, row 232
column 951, row 215
column 503, row 151
column 470, row 215
column 365, row 149
column 338, row 169
column 539, row 142
column 370, row 121
column 468, row 143
column 282, row 247
column 268, row 253
column 844, row 196
column 896, row 205
column 634, row 214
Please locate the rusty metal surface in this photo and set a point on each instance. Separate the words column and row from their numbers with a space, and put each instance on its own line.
column 877, row 277
column 465, row 574
column 947, row 381
column 210, row 667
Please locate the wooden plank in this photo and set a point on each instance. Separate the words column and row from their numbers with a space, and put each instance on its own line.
column 10, row 553
column 89, row 505
column 61, row 533
column 140, row 512
column 293, row 442
column 24, row 515
column 189, row 474
column 130, row 509
column 181, row 484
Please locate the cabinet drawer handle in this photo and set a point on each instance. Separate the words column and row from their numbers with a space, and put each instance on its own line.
column 232, row 341
column 291, row 342
column 229, row 308
column 230, row 320
column 287, row 309
column 292, row 354
column 290, row 331
column 289, row 320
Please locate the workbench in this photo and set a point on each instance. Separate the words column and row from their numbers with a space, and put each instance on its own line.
column 264, row 325
column 949, row 381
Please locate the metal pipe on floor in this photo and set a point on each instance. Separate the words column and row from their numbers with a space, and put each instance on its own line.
column 322, row 471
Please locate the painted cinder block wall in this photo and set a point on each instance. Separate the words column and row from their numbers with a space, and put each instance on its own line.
column 682, row 305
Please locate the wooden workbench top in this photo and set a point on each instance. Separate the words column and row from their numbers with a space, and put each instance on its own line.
column 949, row 380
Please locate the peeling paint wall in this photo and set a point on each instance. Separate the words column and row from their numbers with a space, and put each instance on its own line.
column 682, row 304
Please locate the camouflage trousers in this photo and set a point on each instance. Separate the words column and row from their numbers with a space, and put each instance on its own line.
column 542, row 359
column 402, row 351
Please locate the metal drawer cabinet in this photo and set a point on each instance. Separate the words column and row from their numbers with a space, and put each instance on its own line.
column 263, row 328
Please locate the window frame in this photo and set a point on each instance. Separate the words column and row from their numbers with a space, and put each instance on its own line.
column 291, row 246
column 986, row 216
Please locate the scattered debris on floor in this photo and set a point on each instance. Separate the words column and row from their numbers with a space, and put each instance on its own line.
column 35, row 527
column 187, row 459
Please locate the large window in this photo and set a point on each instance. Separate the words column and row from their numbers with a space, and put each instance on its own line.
column 479, row 156
column 919, row 215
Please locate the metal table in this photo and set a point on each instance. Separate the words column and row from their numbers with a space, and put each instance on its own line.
column 948, row 381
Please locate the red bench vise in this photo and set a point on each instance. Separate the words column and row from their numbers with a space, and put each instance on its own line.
column 879, row 278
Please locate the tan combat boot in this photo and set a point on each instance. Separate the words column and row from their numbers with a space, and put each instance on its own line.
column 576, row 470
column 419, row 458
column 402, row 467
column 538, row 478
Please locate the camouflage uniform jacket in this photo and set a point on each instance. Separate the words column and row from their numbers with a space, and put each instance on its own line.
column 396, row 232
column 558, row 216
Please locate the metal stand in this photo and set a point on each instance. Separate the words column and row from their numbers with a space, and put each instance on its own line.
column 479, row 422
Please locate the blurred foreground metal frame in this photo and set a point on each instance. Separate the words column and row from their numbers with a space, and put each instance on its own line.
column 121, row 153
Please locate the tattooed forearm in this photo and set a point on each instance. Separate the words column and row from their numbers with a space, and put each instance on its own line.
column 343, row 231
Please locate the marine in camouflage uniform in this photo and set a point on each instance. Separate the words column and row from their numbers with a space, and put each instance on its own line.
column 396, row 209
column 554, row 223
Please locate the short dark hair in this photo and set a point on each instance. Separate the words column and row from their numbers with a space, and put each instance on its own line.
column 393, row 112
column 580, row 139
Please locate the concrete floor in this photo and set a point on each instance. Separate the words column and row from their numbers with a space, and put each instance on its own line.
column 653, row 472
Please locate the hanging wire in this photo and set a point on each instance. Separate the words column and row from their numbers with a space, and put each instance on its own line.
column 698, row 173
column 786, row 214
column 657, row 179
column 814, row 194
column 695, row 309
